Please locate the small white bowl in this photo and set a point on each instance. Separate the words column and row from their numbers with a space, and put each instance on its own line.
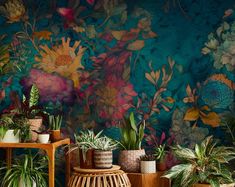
column 43, row 138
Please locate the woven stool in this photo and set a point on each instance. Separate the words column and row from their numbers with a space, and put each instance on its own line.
column 113, row 177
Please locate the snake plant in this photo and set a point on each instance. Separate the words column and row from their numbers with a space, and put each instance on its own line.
column 132, row 134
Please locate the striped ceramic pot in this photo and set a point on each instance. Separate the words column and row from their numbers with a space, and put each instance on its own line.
column 103, row 159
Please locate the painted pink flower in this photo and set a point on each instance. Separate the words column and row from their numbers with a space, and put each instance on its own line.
column 52, row 87
column 114, row 98
column 91, row 2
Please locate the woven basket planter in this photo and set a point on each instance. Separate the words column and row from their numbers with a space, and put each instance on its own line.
column 35, row 125
column 103, row 159
column 129, row 160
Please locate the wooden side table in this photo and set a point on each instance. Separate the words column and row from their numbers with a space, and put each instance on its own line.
column 148, row 180
column 113, row 177
column 50, row 149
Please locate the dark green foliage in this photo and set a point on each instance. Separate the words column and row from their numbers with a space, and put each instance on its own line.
column 55, row 122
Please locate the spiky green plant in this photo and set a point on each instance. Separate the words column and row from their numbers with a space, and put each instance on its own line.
column 105, row 143
column 207, row 163
column 28, row 170
column 85, row 140
column 55, row 122
column 132, row 134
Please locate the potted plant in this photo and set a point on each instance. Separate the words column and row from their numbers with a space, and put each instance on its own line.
column 148, row 164
column 30, row 171
column 205, row 166
column 55, row 125
column 160, row 153
column 43, row 135
column 28, row 107
column 132, row 135
column 103, row 155
column 85, row 141
column 14, row 129
column 8, row 132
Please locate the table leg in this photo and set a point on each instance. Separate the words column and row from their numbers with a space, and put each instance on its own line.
column 8, row 157
column 68, row 165
column 51, row 165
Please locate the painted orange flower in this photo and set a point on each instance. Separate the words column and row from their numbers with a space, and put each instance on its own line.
column 13, row 10
column 62, row 59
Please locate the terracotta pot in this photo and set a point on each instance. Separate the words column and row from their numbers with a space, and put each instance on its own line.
column 161, row 166
column 148, row 166
column 88, row 161
column 129, row 160
column 55, row 135
column 208, row 185
column 103, row 159
column 35, row 125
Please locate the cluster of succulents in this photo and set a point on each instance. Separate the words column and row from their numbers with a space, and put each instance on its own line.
column 221, row 45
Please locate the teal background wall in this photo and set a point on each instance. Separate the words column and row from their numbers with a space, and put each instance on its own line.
column 95, row 61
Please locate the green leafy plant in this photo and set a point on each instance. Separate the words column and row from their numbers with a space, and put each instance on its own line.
column 17, row 123
column 105, row 143
column 132, row 134
column 148, row 158
column 55, row 122
column 28, row 170
column 228, row 125
column 207, row 163
column 160, row 152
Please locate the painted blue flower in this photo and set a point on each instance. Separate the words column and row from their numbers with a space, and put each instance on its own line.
column 216, row 94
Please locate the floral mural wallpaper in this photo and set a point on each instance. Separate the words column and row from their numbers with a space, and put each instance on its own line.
column 171, row 62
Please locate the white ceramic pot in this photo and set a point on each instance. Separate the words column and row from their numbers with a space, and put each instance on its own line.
column 148, row 166
column 26, row 184
column 10, row 137
column 43, row 138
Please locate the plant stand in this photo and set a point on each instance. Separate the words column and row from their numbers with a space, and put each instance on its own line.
column 50, row 149
column 113, row 177
column 148, row 180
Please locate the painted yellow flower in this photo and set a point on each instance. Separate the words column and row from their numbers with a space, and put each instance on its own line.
column 62, row 59
column 13, row 10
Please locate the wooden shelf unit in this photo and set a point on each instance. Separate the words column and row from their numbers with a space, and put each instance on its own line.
column 50, row 149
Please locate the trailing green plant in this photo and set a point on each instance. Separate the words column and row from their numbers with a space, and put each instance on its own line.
column 5, row 124
column 148, row 158
column 207, row 163
column 28, row 170
column 55, row 122
column 132, row 134
column 160, row 153
column 105, row 143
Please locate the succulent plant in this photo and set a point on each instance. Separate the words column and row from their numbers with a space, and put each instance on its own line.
column 147, row 158
column 105, row 143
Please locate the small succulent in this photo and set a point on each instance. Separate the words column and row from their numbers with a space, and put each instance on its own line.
column 160, row 152
column 148, row 158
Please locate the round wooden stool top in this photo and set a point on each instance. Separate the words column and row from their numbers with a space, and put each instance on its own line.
column 81, row 170
column 113, row 177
